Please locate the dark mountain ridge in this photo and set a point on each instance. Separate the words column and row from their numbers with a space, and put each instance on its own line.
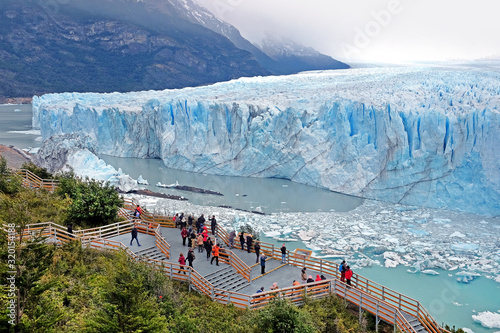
column 110, row 45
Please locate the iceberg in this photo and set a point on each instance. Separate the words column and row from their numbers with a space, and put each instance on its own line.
column 72, row 153
column 420, row 136
column 488, row 319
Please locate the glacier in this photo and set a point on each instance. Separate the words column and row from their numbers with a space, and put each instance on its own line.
column 426, row 136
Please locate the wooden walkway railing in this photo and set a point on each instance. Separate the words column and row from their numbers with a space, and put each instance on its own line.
column 383, row 302
column 30, row 180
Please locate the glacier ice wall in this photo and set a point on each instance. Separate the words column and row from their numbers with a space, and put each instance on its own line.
column 420, row 136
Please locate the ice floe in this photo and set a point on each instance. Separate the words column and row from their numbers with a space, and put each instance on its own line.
column 488, row 319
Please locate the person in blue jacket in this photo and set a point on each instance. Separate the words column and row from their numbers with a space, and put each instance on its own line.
column 263, row 264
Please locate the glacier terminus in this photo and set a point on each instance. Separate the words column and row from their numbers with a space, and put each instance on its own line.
column 427, row 136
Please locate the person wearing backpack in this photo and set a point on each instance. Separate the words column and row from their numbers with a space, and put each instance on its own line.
column 191, row 257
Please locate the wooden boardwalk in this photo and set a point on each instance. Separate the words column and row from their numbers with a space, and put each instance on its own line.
column 237, row 278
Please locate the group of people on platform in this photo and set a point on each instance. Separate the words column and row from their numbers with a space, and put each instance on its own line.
column 196, row 233
column 190, row 223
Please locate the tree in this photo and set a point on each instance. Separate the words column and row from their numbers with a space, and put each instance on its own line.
column 282, row 317
column 93, row 203
column 10, row 182
column 39, row 171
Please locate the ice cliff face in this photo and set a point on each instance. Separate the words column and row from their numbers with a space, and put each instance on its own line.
column 420, row 136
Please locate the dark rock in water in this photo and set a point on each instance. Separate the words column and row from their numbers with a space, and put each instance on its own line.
column 244, row 195
column 196, row 190
column 223, row 206
column 257, row 212
column 154, row 194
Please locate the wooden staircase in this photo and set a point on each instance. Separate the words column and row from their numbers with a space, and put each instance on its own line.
column 228, row 279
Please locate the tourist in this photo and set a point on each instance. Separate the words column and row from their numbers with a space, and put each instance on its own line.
column 310, row 279
column 261, row 290
column 70, row 231
column 213, row 225
column 176, row 220
column 263, row 264
column 232, row 235
column 249, row 242
column 184, row 234
column 257, row 251
column 199, row 241
column 138, row 212
column 191, row 257
column 342, row 269
column 134, row 235
column 190, row 220
column 215, row 255
column 348, row 275
column 275, row 286
column 208, row 248
column 192, row 240
column 200, row 222
column 323, row 277
column 318, row 278
column 283, row 254
column 182, row 262
column 242, row 240
column 303, row 275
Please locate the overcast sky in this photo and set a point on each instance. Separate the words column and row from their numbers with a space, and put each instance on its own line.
column 373, row 30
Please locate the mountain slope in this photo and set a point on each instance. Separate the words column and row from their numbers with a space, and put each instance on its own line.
column 110, row 45
column 294, row 57
column 294, row 62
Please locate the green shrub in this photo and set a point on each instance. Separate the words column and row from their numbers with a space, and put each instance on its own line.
column 93, row 203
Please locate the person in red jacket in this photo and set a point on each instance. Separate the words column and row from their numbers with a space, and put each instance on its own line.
column 182, row 262
column 348, row 275
column 184, row 235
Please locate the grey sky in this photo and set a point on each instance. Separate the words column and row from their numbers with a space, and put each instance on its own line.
column 373, row 30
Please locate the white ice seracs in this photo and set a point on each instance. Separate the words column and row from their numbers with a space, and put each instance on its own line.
column 419, row 136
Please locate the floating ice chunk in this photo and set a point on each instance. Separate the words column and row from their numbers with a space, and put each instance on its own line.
column 167, row 186
column 29, row 132
column 17, row 110
column 390, row 239
column 272, row 234
column 465, row 247
column 307, row 235
column 466, row 277
column 418, row 233
column 142, row 181
column 497, row 279
column 467, row 330
column 488, row 319
column 393, row 259
column 429, row 272
column 457, row 234
column 441, row 220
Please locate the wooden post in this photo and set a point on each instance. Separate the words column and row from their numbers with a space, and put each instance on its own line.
column 360, row 306
column 395, row 321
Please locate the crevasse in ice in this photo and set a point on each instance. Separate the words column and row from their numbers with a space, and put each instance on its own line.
column 422, row 136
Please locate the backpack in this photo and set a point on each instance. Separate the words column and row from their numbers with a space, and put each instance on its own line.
column 341, row 268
